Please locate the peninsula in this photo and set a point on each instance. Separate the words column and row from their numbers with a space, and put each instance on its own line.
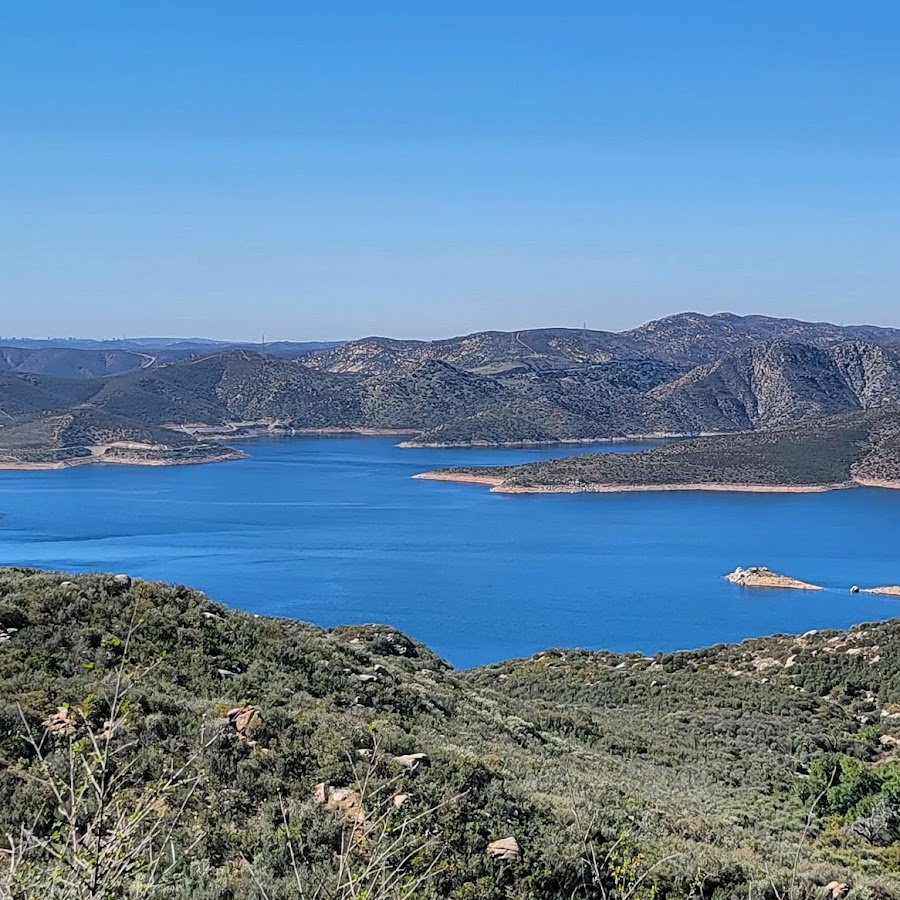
column 85, row 437
column 852, row 450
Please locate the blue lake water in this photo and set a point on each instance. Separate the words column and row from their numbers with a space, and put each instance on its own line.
column 335, row 531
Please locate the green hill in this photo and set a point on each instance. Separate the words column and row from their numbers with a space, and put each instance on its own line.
column 217, row 754
column 835, row 451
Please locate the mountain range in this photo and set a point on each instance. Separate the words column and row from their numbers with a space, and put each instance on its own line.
column 684, row 375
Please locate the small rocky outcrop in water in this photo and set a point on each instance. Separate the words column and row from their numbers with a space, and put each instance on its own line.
column 760, row 576
column 890, row 591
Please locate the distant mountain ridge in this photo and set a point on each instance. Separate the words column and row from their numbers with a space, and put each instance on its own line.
column 72, row 358
column 158, row 343
column 492, row 388
column 685, row 340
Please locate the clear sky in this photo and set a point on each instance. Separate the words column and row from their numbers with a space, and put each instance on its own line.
column 333, row 169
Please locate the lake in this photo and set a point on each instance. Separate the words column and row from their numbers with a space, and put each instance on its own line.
column 335, row 531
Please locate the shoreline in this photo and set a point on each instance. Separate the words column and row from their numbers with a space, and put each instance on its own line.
column 562, row 442
column 101, row 459
column 246, row 431
column 12, row 466
column 498, row 486
column 496, row 481
column 882, row 591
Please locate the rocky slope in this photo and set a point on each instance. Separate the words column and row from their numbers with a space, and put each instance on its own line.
column 777, row 383
column 498, row 388
column 567, row 774
column 771, row 384
column 691, row 339
column 684, row 341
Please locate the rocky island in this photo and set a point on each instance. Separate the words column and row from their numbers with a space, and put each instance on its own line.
column 761, row 577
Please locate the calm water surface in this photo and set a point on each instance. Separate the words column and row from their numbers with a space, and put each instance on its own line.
column 335, row 531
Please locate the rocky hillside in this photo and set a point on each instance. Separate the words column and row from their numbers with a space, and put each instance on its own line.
column 771, row 384
column 690, row 339
column 267, row 758
column 777, row 383
column 87, row 435
column 496, row 388
column 684, row 341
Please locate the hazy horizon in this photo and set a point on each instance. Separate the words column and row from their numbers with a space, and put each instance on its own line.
column 419, row 171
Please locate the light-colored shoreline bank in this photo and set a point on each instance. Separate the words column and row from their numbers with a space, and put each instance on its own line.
column 462, row 479
column 561, row 442
column 498, row 486
column 647, row 488
column 99, row 456
column 245, row 431
column 877, row 483
column 891, row 591
column 9, row 465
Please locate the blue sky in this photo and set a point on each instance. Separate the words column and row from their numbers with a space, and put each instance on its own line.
column 328, row 170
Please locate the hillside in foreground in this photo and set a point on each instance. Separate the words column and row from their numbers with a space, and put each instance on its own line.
column 149, row 736
column 838, row 451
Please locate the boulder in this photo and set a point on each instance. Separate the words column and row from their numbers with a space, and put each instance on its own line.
column 344, row 800
column 505, row 849
column 61, row 723
column 243, row 721
column 413, row 761
column 122, row 579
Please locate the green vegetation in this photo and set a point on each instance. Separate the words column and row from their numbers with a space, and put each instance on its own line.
column 152, row 741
